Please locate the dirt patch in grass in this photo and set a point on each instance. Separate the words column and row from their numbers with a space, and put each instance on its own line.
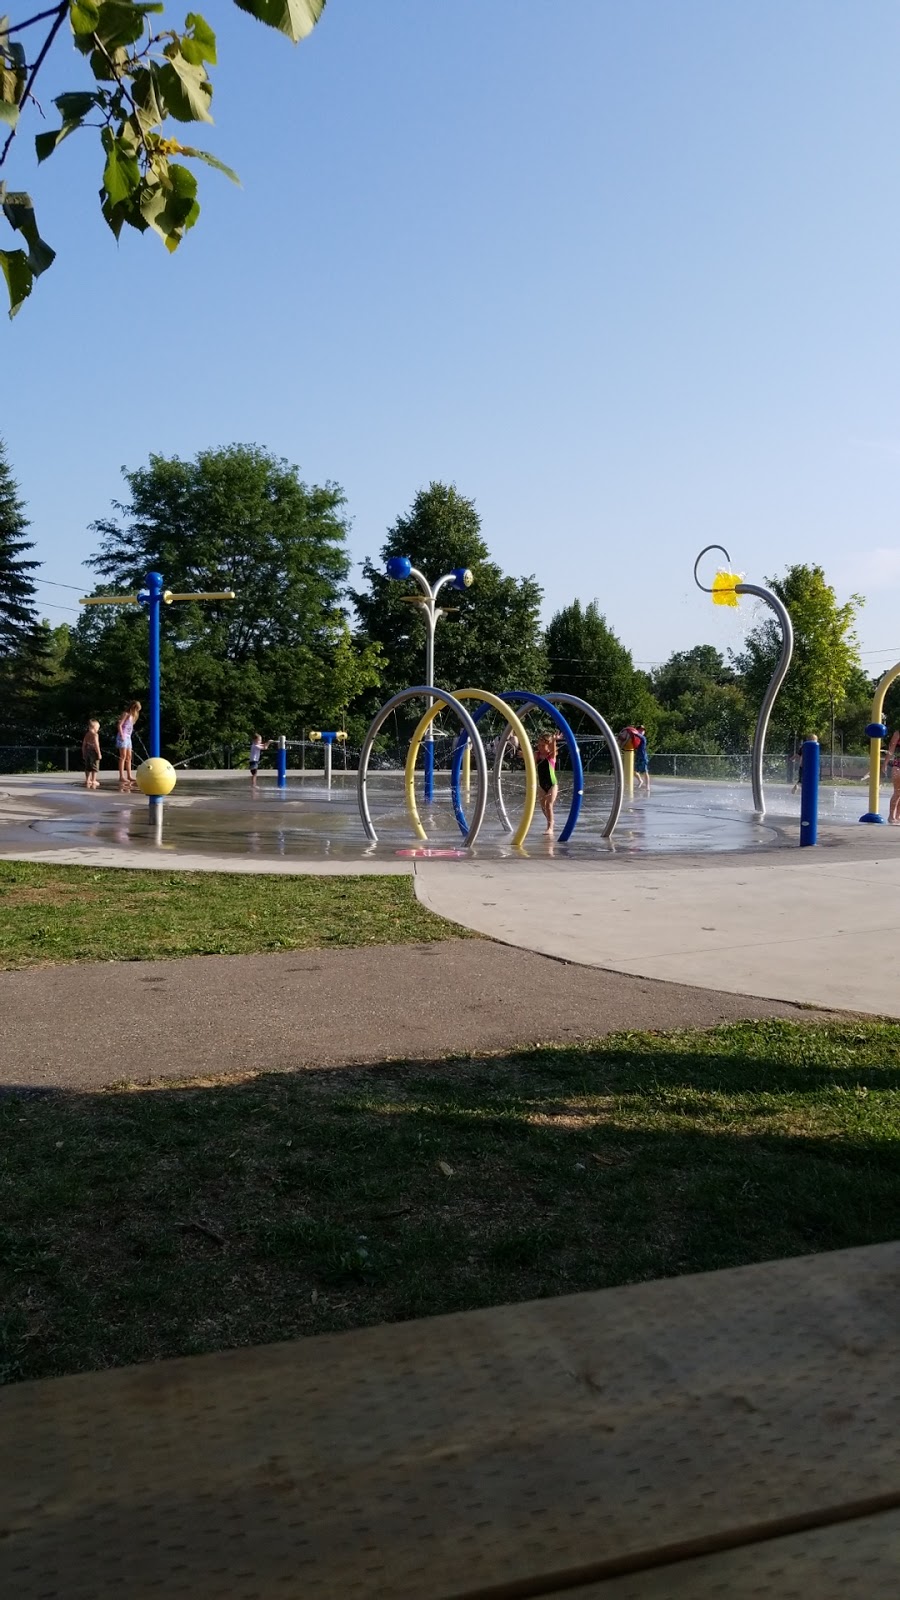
column 144, row 1224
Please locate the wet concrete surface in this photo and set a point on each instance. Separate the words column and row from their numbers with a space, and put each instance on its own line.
column 219, row 816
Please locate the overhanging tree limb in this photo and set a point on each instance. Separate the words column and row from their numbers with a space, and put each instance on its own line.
column 139, row 80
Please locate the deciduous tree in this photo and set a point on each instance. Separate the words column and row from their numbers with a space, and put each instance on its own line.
column 278, row 655
column 826, row 653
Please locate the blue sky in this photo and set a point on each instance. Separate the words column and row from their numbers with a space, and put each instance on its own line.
column 627, row 274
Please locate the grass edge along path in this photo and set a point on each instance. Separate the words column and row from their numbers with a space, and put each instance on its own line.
column 53, row 914
column 142, row 1224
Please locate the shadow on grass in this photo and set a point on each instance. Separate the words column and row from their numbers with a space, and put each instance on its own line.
column 138, row 1225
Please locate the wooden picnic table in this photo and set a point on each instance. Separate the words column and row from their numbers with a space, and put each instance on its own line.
column 730, row 1434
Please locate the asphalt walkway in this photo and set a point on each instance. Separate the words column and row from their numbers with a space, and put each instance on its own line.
column 98, row 1023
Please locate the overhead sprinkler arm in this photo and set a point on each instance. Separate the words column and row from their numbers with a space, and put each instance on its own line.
column 719, row 590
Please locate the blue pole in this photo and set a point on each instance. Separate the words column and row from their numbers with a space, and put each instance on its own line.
column 809, row 793
column 428, row 752
column 281, row 762
column 155, row 590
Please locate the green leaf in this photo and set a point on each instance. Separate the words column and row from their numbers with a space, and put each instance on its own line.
column 18, row 210
column 296, row 18
column 46, row 143
column 8, row 113
column 72, row 107
column 169, row 205
column 19, row 277
column 150, row 112
column 186, row 88
column 211, row 161
column 121, row 175
column 84, row 15
column 198, row 44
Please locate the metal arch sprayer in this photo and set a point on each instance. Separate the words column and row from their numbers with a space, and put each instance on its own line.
column 777, row 678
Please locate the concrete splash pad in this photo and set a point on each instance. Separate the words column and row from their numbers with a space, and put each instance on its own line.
column 218, row 817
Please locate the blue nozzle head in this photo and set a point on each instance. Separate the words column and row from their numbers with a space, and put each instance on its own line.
column 399, row 567
column 463, row 578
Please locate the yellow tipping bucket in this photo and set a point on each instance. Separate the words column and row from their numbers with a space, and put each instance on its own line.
column 723, row 587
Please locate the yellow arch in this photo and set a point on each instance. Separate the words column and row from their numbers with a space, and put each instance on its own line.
column 518, row 729
column 877, row 715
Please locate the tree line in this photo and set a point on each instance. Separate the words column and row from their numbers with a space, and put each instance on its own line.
column 301, row 647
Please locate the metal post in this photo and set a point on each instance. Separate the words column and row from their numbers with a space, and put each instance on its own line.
column 628, row 773
column 154, row 592
column 328, row 739
column 37, row 758
column 428, row 752
column 809, row 792
column 67, row 758
column 467, row 771
column 281, row 761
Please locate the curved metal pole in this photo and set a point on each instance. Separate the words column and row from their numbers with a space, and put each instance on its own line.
column 603, row 727
column 775, row 682
column 601, row 724
column 884, row 683
column 513, row 722
column 428, row 692
column 531, row 701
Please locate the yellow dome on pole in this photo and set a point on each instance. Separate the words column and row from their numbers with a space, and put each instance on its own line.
column 156, row 776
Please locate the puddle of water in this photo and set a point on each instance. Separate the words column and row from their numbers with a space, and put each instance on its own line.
column 221, row 816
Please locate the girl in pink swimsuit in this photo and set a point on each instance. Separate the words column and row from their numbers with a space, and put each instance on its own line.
column 124, row 730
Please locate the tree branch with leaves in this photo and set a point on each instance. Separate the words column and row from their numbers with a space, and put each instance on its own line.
column 140, row 75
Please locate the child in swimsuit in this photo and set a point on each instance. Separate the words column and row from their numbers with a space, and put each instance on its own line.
column 90, row 755
column 545, row 752
column 257, row 745
column 892, row 769
column 124, row 730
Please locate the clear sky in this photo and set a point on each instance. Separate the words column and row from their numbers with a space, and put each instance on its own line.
column 627, row 274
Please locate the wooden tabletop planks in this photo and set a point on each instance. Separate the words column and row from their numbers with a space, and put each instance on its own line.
column 513, row 1451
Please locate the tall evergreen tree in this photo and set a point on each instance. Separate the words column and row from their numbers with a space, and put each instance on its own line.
column 21, row 636
column 587, row 659
column 491, row 637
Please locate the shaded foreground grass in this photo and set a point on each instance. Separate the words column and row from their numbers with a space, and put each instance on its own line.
column 51, row 914
column 143, row 1224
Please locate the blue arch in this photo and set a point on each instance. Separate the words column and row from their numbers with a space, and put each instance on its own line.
column 552, row 711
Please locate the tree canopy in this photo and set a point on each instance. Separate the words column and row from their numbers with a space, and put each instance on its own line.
column 586, row 658
column 825, row 666
column 492, row 641
column 279, row 655
column 138, row 74
column 702, row 704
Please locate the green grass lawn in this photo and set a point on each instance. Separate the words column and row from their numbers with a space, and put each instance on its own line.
column 138, row 1224
column 51, row 914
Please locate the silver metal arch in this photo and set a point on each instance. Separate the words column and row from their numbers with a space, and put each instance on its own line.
column 601, row 724
column 776, row 680
column 429, row 693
